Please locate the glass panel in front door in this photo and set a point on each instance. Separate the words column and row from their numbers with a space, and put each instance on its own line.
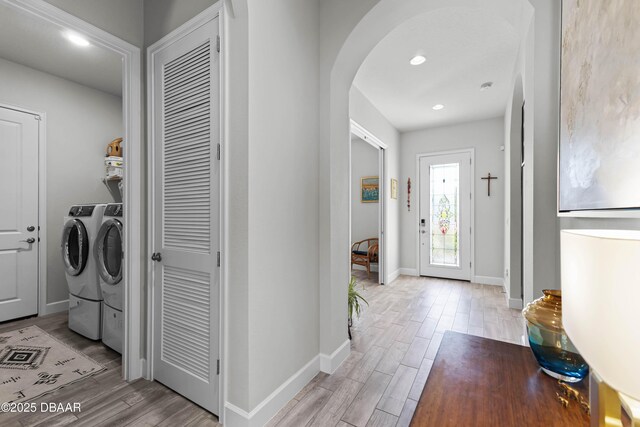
column 444, row 214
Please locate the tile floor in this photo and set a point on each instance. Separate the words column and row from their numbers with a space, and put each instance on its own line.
column 394, row 344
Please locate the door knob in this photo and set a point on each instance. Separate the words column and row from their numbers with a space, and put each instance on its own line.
column 156, row 256
column 30, row 240
column 31, row 228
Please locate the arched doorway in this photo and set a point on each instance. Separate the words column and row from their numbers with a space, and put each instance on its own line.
column 340, row 61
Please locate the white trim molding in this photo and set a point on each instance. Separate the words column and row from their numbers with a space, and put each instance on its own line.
column 329, row 363
column 515, row 303
column 132, row 119
column 393, row 276
column 488, row 280
column 269, row 407
column 409, row 272
column 55, row 307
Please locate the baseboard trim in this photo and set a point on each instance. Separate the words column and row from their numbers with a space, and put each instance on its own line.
column 487, row 280
column 393, row 276
column 56, row 307
column 261, row 414
column 329, row 363
column 515, row 303
column 409, row 271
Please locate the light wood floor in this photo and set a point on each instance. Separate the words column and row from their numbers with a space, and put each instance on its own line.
column 106, row 400
column 393, row 347
column 394, row 344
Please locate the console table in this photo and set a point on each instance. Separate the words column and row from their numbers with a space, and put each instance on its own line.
column 477, row 381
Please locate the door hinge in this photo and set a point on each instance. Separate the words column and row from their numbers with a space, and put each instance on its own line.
column 469, row 265
column 38, row 118
column 218, row 258
column 218, row 43
column 218, row 367
column 218, row 151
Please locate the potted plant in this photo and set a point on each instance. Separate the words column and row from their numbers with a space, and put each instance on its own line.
column 354, row 302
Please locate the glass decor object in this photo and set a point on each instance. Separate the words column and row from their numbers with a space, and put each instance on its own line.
column 444, row 193
column 551, row 346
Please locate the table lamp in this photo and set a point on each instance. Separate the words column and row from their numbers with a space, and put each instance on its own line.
column 601, row 316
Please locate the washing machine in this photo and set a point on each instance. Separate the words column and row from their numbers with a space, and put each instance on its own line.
column 109, row 256
column 85, row 298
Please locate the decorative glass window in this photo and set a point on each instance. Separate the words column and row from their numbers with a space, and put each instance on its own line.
column 445, row 215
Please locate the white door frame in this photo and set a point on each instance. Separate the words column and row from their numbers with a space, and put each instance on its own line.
column 376, row 143
column 43, row 309
column 211, row 12
column 472, row 153
column 132, row 356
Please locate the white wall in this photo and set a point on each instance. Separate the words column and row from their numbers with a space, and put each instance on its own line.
column 486, row 137
column 80, row 123
column 163, row 16
column 364, row 216
column 362, row 111
column 283, row 209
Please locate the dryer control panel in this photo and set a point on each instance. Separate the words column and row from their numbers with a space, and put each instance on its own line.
column 113, row 209
column 81, row 210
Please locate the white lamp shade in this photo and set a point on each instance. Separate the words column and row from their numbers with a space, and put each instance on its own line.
column 601, row 302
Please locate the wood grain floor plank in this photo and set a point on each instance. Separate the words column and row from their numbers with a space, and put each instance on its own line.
column 307, row 408
column 392, row 401
column 365, row 403
column 416, row 352
column 382, row 419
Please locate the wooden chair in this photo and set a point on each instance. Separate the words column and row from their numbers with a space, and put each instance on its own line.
column 365, row 257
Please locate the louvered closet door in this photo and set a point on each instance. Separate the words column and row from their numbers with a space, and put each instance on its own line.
column 186, row 99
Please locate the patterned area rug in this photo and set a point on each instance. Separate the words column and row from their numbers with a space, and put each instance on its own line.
column 33, row 363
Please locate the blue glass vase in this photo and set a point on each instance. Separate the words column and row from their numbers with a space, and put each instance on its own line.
column 554, row 351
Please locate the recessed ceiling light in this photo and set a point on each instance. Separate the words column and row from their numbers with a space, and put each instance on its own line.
column 417, row 60
column 438, row 107
column 486, row 85
column 76, row 39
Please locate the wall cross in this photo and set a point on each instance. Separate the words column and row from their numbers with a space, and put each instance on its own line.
column 489, row 178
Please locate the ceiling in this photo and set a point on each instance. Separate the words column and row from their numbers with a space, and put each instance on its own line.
column 38, row 44
column 463, row 48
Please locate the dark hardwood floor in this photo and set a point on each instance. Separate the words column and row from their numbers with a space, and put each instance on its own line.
column 105, row 399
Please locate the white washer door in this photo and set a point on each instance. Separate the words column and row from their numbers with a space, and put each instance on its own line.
column 109, row 256
column 75, row 247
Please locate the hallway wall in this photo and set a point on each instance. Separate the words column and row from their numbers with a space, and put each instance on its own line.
column 486, row 137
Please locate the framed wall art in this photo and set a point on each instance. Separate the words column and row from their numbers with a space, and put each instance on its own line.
column 599, row 153
column 369, row 189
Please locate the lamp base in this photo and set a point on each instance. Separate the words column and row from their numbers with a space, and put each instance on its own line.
column 609, row 408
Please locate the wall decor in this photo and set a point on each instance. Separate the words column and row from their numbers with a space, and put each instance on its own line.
column 369, row 189
column 600, row 106
column 409, row 195
column 394, row 189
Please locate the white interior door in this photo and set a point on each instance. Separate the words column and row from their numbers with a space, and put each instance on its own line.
column 18, row 214
column 445, row 216
column 185, row 137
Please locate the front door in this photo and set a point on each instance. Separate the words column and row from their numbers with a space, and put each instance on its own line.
column 445, row 216
column 186, row 191
column 18, row 214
